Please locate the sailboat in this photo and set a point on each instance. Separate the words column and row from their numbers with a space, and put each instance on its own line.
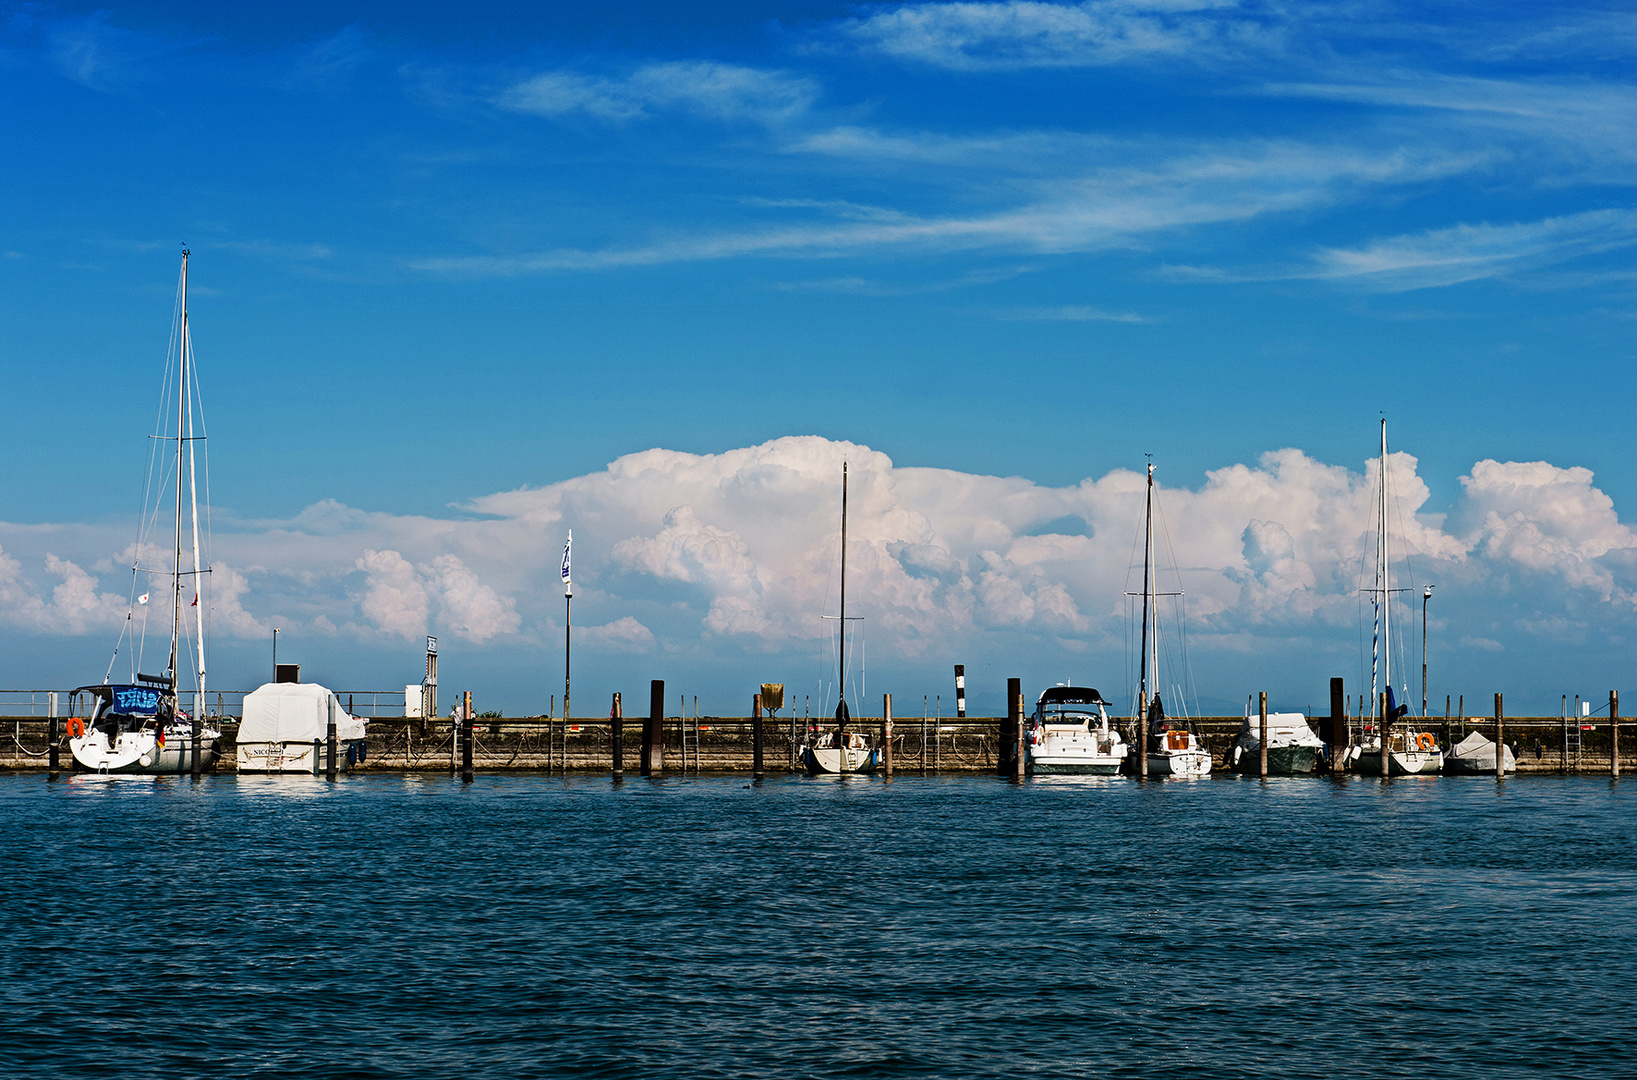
column 840, row 750
column 1407, row 753
column 140, row 726
column 1174, row 746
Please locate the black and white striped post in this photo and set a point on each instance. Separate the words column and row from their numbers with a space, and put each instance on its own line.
column 960, row 691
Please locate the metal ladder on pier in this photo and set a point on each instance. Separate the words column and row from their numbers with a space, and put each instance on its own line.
column 690, row 736
column 1571, row 733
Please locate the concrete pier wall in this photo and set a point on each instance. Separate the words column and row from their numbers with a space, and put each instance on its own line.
column 724, row 743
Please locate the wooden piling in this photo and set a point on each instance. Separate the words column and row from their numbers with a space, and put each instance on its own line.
column 886, row 734
column 653, row 729
column 1614, row 733
column 1006, row 758
column 1338, row 723
column 466, row 738
column 755, row 736
column 329, row 744
column 1500, row 741
column 55, row 758
column 616, row 735
column 1262, row 710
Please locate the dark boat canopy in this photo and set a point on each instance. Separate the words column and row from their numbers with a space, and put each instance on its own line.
column 1071, row 695
column 125, row 699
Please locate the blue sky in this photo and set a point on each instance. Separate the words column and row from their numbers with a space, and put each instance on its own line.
column 444, row 256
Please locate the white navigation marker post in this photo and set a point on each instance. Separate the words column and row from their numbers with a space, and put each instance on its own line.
column 568, row 632
column 960, row 690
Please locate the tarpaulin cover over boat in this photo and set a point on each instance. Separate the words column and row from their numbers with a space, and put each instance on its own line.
column 294, row 712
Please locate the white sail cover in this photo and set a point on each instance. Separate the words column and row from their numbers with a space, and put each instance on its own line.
column 294, row 712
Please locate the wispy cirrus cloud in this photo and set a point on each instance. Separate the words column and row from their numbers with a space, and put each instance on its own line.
column 1461, row 253
column 712, row 91
column 1027, row 33
column 1123, row 204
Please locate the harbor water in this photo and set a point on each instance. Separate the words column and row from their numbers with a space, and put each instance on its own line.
column 532, row 926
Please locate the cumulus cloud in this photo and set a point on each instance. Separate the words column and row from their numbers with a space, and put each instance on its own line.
column 739, row 551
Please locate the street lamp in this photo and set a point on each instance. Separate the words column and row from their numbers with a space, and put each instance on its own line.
column 275, row 654
column 1425, row 596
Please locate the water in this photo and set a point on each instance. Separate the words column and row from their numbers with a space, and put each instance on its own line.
column 527, row 926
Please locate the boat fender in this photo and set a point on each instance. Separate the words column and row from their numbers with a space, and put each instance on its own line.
column 1425, row 741
column 76, row 727
column 1237, row 751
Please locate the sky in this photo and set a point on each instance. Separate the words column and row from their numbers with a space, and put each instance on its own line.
column 463, row 279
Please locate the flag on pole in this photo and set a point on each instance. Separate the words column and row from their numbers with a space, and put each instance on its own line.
column 568, row 547
column 195, row 600
column 143, row 599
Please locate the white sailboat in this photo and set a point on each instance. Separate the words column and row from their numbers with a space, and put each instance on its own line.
column 840, row 750
column 1070, row 734
column 1408, row 753
column 1174, row 745
column 140, row 726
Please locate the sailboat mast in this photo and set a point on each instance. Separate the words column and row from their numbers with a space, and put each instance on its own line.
column 1386, row 584
column 181, row 397
column 193, row 502
column 1147, row 586
column 842, row 686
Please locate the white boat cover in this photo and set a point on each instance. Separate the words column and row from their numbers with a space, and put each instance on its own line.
column 1476, row 747
column 294, row 712
column 1284, row 729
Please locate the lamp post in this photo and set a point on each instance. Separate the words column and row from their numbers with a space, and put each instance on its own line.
column 1425, row 596
column 275, row 654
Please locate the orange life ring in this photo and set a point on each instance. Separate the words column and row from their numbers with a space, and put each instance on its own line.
column 1425, row 741
column 76, row 727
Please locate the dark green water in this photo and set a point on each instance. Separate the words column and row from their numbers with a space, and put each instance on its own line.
column 528, row 926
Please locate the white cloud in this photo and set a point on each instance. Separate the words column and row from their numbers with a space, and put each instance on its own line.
column 1470, row 252
column 721, row 92
column 1024, row 33
column 739, row 552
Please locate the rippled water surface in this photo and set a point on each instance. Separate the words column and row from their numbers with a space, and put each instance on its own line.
column 524, row 926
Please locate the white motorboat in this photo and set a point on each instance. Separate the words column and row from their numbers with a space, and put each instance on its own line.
column 840, row 750
column 1293, row 747
column 1070, row 733
column 1174, row 745
column 1407, row 753
column 139, row 727
column 285, row 728
column 1475, row 756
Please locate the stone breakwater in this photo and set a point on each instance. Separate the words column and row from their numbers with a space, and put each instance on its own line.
column 723, row 744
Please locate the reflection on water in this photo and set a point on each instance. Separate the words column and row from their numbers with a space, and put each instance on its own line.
column 393, row 925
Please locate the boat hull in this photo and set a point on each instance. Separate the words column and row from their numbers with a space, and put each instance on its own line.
column 1179, row 763
column 1075, row 766
column 1402, row 763
column 307, row 758
column 1282, row 761
column 836, row 761
column 1477, row 764
column 139, row 752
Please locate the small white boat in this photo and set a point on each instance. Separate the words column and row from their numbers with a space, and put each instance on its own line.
column 1070, row 733
column 285, row 728
column 1413, row 754
column 840, row 751
column 140, row 727
column 1293, row 748
column 1174, row 745
column 1475, row 756
column 136, row 729
column 1408, row 753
